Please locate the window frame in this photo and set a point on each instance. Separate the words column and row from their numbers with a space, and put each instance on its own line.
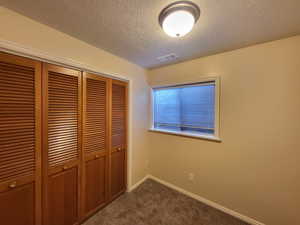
column 213, row 137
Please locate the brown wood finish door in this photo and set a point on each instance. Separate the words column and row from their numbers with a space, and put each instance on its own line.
column 56, row 148
column 118, row 153
column 20, row 140
column 63, row 191
column 61, row 144
column 117, row 173
column 95, row 143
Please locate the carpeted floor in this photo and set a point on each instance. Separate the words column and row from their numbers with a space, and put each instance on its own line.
column 155, row 204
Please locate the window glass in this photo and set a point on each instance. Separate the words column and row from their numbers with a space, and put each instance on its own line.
column 189, row 108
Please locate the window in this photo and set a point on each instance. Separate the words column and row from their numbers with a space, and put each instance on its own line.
column 189, row 109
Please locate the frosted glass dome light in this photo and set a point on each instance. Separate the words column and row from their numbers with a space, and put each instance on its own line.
column 178, row 23
column 178, row 18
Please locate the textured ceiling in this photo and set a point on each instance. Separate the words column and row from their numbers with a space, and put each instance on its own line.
column 130, row 29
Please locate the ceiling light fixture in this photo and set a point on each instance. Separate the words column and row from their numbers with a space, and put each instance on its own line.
column 178, row 18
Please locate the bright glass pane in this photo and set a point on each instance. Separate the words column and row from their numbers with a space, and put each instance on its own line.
column 188, row 108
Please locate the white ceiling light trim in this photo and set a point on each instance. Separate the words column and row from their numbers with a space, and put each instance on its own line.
column 178, row 18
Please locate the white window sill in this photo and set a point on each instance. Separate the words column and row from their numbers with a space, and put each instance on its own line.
column 186, row 134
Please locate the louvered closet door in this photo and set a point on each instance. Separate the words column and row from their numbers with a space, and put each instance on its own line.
column 61, row 133
column 118, row 138
column 20, row 155
column 95, row 142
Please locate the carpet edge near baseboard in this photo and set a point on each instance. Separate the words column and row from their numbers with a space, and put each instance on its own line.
column 198, row 198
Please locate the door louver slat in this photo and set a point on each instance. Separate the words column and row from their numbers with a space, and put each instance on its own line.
column 118, row 115
column 95, row 124
column 17, row 121
column 62, row 118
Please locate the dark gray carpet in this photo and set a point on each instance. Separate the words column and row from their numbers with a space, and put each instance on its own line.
column 155, row 204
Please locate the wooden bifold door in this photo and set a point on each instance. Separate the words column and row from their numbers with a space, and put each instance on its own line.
column 63, row 145
column 20, row 140
column 95, row 143
column 118, row 138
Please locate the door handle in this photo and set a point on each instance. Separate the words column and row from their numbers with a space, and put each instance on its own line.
column 13, row 184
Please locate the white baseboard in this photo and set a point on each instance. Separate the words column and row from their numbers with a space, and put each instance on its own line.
column 201, row 199
column 208, row 202
column 130, row 189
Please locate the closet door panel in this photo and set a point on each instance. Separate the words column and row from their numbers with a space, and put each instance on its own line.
column 95, row 142
column 17, row 206
column 95, row 108
column 117, row 172
column 62, row 118
column 20, row 146
column 118, row 138
column 118, row 115
column 95, row 183
column 63, row 197
column 62, row 144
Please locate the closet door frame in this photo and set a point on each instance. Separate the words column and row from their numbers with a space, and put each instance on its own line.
column 37, row 176
column 68, row 165
column 111, row 149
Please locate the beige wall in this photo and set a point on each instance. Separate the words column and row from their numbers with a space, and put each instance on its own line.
column 256, row 169
column 30, row 34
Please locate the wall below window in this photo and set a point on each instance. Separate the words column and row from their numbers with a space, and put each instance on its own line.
column 21, row 31
column 255, row 169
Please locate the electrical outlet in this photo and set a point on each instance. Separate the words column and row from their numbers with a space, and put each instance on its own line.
column 191, row 176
